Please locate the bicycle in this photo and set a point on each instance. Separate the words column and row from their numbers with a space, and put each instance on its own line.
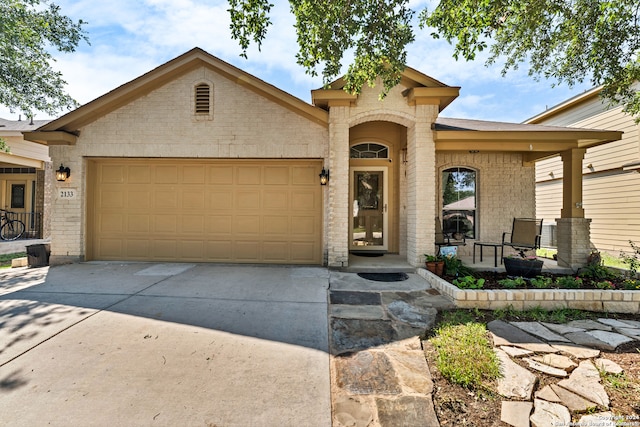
column 11, row 229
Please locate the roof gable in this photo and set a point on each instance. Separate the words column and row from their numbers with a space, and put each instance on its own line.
column 74, row 120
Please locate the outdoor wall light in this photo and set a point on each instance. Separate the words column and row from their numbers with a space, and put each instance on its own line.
column 63, row 173
column 324, row 176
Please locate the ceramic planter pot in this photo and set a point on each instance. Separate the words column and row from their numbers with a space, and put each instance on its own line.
column 436, row 267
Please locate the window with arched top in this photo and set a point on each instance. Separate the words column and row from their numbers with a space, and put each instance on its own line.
column 459, row 201
column 369, row 151
column 202, row 99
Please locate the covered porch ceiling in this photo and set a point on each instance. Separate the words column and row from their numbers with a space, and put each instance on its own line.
column 535, row 142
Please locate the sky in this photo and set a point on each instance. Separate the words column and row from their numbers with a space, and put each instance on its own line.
column 129, row 38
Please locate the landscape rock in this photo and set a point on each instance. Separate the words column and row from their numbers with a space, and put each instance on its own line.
column 562, row 329
column 611, row 338
column 588, row 324
column 505, row 334
column 546, row 369
column 540, row 331
column 585, row 381
column 367, row 373
column 354, row 298
column 357, row 334
column 547, row 394
column 601, row 419
column 515, row 351
column 516, row 414
column 577, row 351
column 365, row 312
column 547, row 414
column 571, row 400
column 630, row 332
column 632, row 323
column 557, row 361
column 412, row 370
column 608, row 366
column 588, row 340
column 516, row 381
column 412, row 410
column 349, row 412
column 417, row 317
column 613, row 323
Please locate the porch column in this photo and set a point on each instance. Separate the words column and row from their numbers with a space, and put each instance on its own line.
column 573, row 228
column 421, row 185
column 338, row 211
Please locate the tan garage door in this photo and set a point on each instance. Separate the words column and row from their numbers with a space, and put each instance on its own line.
column 264, row 211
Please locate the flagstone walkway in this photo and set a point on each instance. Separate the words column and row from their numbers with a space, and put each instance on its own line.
column 379, row 376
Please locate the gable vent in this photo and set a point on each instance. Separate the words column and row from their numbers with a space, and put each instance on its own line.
column 203, row 96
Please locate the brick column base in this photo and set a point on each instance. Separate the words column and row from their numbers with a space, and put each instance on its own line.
column 574, row 238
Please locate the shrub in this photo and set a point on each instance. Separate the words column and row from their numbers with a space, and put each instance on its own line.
column 469, row 282
column 633, row 260
column 569, row 282
column 542, row 282
column 465, row 355
column 597, row 272
column 512, row 283
column 605, row 284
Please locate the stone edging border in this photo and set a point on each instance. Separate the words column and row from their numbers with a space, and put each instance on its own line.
column 606, row 301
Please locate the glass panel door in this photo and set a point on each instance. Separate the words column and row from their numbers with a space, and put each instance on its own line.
column 369, row 220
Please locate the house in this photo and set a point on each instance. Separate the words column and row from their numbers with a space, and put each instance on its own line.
column 198, row 160
column 610, row 173
column 23, row 176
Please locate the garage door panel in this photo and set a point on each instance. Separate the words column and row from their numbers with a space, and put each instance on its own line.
column 138, row 223
column 247, row 200
column 277, row 200
column 252, row 211
column 276, row 175
column 220, row 175
column 194, row 174
column 137, row 174
column 276, row 225
column 246, row 224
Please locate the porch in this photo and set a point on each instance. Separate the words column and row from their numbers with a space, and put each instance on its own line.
column 398, row 263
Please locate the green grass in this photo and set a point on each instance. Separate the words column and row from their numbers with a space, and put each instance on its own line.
column 608, row 260
column 465, row 355
column 5, row 259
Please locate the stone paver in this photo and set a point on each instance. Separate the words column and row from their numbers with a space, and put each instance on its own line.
column 516, row 414
column 611, row 338
column 383, row 379
column 516, row 382
column 577, row 351
column 546, row 369
column 556, row 361
column 608, row 366
column 540, row 331
column 571, row 400
column 601, row 419
column 547, row 414
column 505, row 334
column 585, row 381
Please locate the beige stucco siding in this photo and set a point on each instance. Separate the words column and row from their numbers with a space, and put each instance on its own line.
column 161, row 124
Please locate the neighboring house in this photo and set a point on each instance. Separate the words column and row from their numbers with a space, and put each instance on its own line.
column 611, row 178
column 199, row 161
column 23, row 177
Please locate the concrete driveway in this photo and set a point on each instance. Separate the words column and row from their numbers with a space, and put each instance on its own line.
column 164, row 344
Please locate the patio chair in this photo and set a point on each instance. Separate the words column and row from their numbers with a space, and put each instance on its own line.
column 525, row 235
column 448, row 239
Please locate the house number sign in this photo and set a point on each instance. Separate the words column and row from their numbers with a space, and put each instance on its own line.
column 67, row 193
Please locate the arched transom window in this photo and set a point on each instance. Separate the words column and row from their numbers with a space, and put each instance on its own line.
column 369, row 151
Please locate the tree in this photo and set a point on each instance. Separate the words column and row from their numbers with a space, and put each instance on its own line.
column 28, row 28
column 564, row 40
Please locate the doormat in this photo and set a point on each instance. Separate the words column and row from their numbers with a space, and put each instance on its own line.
column 384, row 277
column 368, row 254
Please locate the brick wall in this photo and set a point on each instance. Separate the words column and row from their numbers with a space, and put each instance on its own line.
column 505, row 190
column 161, row 124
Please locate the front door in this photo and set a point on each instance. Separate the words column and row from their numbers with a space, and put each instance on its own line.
column 369, row 222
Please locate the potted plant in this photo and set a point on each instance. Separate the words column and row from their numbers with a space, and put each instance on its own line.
column 434, row 264
column 522, row 265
